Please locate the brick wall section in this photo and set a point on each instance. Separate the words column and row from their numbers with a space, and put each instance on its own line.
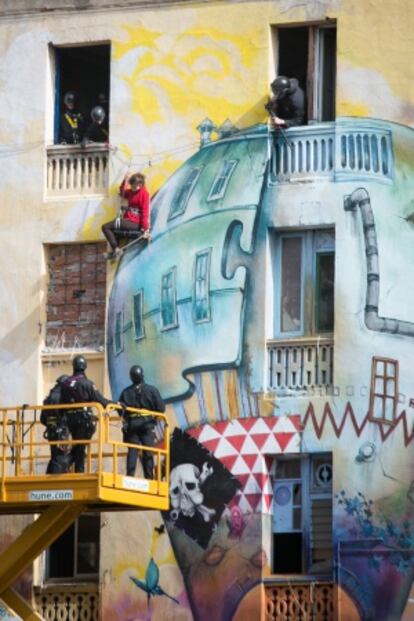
column 75, row 311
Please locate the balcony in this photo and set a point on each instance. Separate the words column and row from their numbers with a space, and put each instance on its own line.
column 73, row 170
column 349, row 150
column 300, row 365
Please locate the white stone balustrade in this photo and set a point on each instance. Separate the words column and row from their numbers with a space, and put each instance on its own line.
column 73, row 170
column 300, row 364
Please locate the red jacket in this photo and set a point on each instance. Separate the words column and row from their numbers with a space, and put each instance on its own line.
column 138, row 205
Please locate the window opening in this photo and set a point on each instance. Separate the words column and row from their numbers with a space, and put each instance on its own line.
column 304, row 274
column 201, row 308
column 76, row 296
column 220, row 183
column 384, row 390
column 138, row 314
column 118, row 340
column 75, row 554
column 84, row 70
column 169, row 317
column 308, row 53
column 182, row 196
column 302, row 515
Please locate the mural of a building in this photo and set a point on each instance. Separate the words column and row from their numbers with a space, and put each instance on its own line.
column 273, row 307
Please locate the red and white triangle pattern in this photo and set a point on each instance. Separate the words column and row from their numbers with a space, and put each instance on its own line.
column 245, row 447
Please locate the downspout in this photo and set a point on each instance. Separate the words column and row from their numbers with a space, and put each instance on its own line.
column 360, row 198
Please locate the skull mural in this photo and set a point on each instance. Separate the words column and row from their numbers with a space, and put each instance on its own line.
column 185, row 491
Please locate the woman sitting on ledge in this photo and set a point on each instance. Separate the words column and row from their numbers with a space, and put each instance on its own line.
column 134, row 217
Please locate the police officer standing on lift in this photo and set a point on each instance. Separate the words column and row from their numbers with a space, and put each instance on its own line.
column 82, row 424
column 287, row 104
column 71, row 121
column 138, row 429
column 57, row 429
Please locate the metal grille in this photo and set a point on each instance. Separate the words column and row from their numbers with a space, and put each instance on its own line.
column 300, row 602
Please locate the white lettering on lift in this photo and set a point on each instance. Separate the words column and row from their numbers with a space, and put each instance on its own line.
column 51, row 495
column 138, row 485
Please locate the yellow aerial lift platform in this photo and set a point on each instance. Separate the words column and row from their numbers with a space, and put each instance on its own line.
column 59, row 499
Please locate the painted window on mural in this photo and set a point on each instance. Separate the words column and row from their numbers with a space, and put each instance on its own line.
column 75, row 554
column 220, row 183
column 169, row 317
column 201, row 303
column 138, row 300
column 384, row 390
column 302, row 515
column 119, row 332
column 308, row 53
column 83, row 70
column 182, row 195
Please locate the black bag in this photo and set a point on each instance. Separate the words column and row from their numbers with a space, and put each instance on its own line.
column 82, row 424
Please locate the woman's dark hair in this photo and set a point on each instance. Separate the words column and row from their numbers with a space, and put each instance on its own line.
column 137, row 178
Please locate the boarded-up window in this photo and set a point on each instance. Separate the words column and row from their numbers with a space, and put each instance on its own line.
column 75, row 310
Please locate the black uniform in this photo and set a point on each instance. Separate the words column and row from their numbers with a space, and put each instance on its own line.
column 95, row 133
column 70, row 127
column 82, row 424
column 139, row 429
column 56, row 429
column 291, row 107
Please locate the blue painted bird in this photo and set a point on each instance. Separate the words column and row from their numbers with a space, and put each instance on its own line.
column 151, row 586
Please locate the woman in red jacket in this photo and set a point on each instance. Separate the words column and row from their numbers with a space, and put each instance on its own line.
column 134, row 217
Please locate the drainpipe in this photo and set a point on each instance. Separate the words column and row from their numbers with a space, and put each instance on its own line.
column 360, row 198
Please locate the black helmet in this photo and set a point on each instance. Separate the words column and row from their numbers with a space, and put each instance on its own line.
column 98, row 114
column 61, row 379
column 79, row 364
column 136, row 373
column 69, row 98
column 280, row 86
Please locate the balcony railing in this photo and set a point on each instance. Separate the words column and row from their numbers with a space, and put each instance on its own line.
column 350, row 149
column 65, row 603
column 73, row 170
column 308, row 601
column 300, row 365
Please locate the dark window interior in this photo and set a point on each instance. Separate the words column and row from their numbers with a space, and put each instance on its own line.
column 84, row 70
column 293, row 53
column 287, row 556
column 75, row 554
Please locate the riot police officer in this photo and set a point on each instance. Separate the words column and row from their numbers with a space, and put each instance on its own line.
column 57, row 429
column 287, row 104
column 96, row 131
column 71, row 121
column 82, row 424
column 138, row 429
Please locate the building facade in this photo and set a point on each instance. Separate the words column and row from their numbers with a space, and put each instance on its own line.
column 271, row 308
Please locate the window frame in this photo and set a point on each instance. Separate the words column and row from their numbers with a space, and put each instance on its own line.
column 76, row 575
column 315, row 66
column 202, row 253
column 308, row 280
column 383, row 396
column 214, row 196
column 174, row 324
column 119, row 314
column 183, row 193
column 308, row 495
column 141, row 335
